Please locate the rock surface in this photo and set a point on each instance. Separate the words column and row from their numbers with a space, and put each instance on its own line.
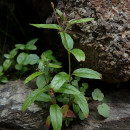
column 13, row 94
column 119, row 119
column 105, row 40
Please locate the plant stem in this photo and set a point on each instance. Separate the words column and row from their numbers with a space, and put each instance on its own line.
column 56, row 15
column 53, row 99
column 69, row 63
column 69, row 76
column 69, row 67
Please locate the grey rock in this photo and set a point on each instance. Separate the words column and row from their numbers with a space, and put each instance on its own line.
column 119, row 119
column 12, row 97
column 13, row 94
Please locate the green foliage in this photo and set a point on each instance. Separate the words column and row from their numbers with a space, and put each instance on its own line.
column 76, row 108
column 7, row 63
column 32, row 97
column 82, row 102
column 81, row 115
column 80, row 20
column 3, row 79
column 56, row 117
column 79, row 54
column 41, row 82
column 44, row 98
column 97, row 95
column 54, row 65
column 48, row 121
column 61, row 87
column 60, row 14
column 48, row 26
column 68, row 89
column 67, row 40
column 104, row 110
column 64, row 98
column 32, row 76
column 31, row 59
column 87, row 73
column 23, row 59
column 59, row 80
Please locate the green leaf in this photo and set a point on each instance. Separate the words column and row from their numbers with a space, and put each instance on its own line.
column 56, row 116
column 1, row 68
column 87, row 73
column 49, row 55
column 18, row 67
column 85, row 85
column 68, row 89
column 67, row 121
column 32, row 42
column 40, row 82
column 32, row 97
column 44, row 98
column 41, row 65
column 60, row 14
column 81, row 115
column 64, row 98
column 54, row 65
column 82, row 20
column 20, row 46
column 13, row 53
column 21, row 58
column 30, row 45
column 7, row 56
column 31, row 59
column 7, row 64
column 59, row 80
column 76, row 108
column 32, row 76
column 79, row 54
column 4, row 79
column 82, row 89
column 1, row 73
column 104, row 110
column 49, row 26
column 82, row 102
column 75, row 83
column 67, row 41
column 48, row 122
column 97, row 95
column 24, row 70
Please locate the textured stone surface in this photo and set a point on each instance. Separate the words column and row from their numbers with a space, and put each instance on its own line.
column 119, row 119
column 105, row 40
column 12, row 96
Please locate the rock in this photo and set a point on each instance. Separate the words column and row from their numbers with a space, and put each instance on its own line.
column 105, row 40
column 12, row 96
column 119, row 119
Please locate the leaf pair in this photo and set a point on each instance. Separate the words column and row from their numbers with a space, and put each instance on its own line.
column 103, row 109
column 12, row 54
column 29, row 46
column 25, row 59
